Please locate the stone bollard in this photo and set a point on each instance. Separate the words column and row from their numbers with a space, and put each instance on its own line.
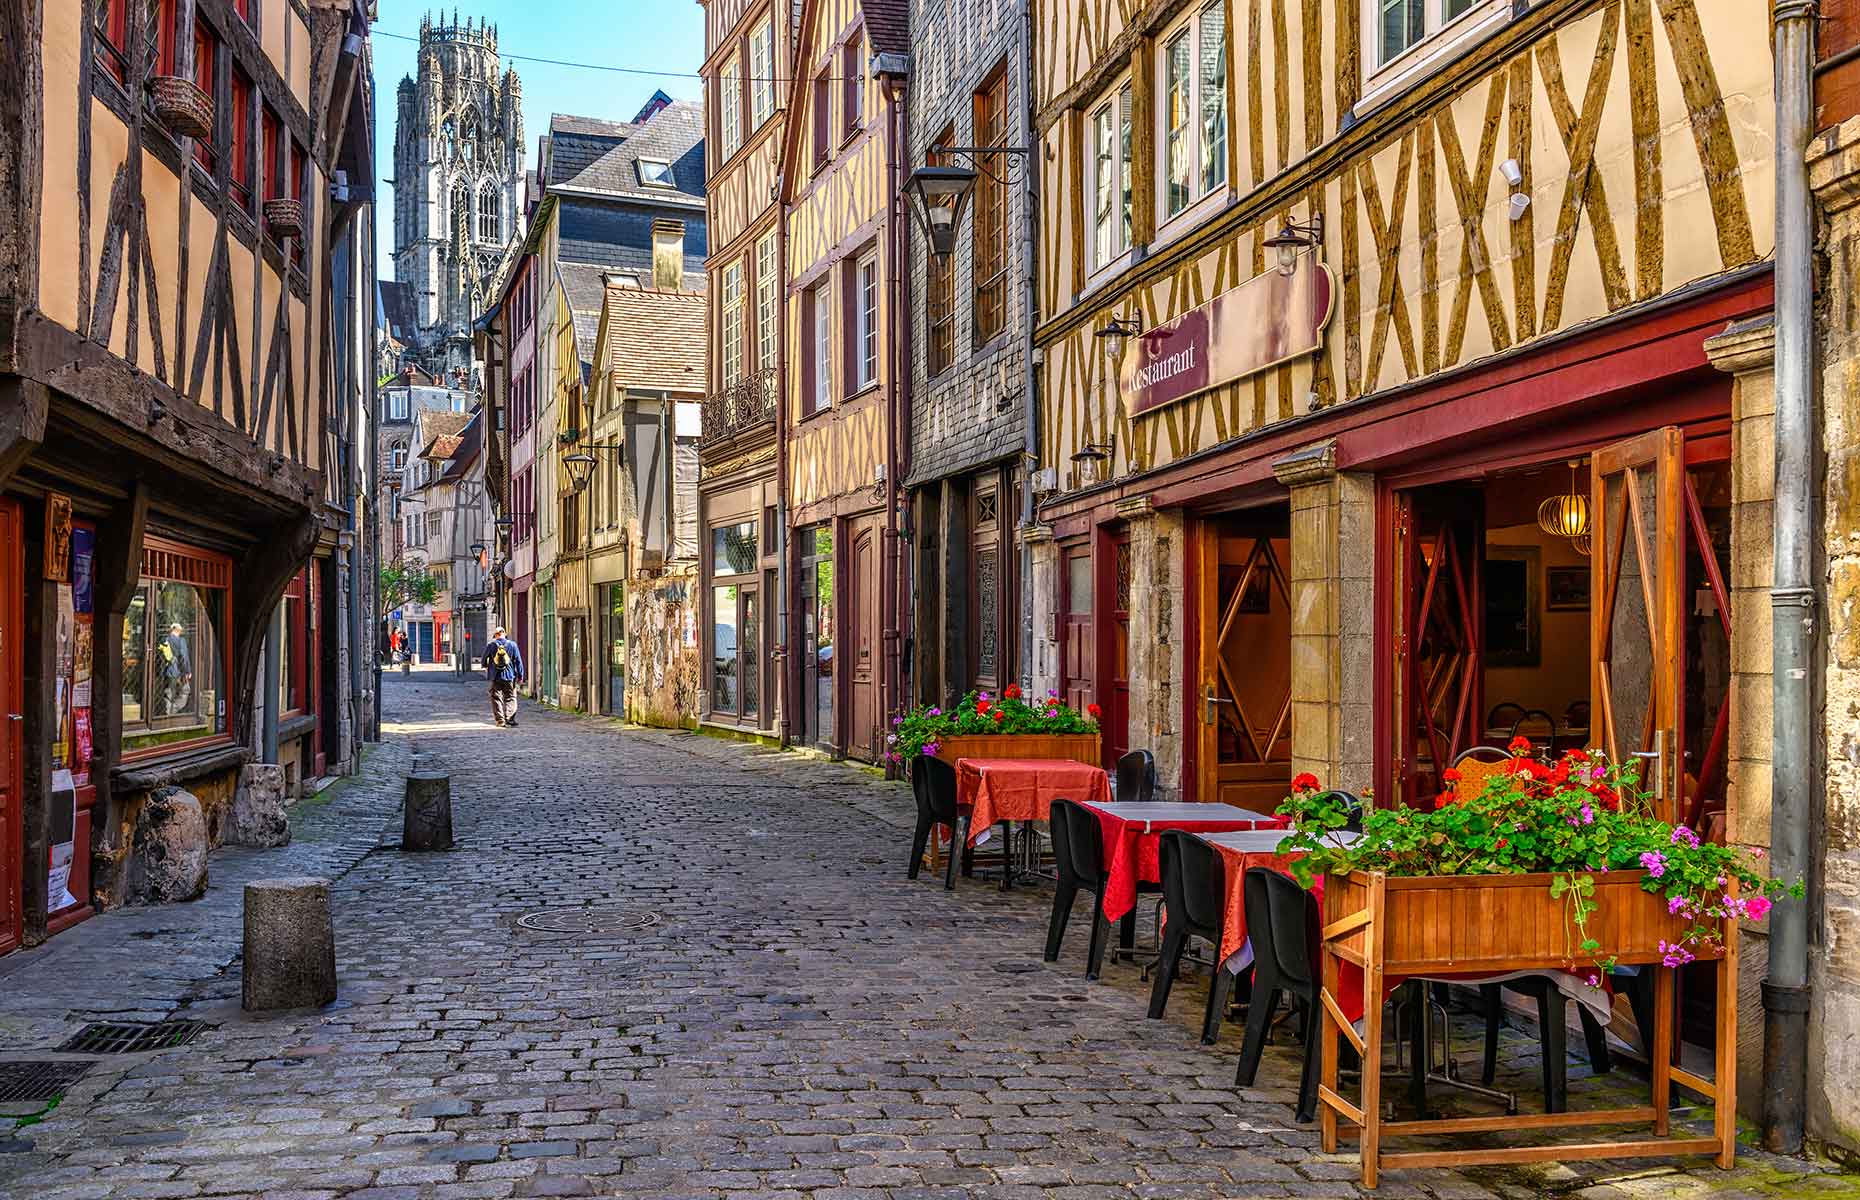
column 427, row 822
column 290, row 946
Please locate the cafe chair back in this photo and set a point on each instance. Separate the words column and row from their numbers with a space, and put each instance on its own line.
column 1282, row 922
column 1078, row 855
column 1477, row 765
column 1194, row 884
column 1537, row 725
column 1502, row 715
column 1136, row 777
column 933, row 785
column 1353, row 806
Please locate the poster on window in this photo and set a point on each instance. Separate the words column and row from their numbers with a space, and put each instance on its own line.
column 58, row 895
column 66, row 653
column 84, row 647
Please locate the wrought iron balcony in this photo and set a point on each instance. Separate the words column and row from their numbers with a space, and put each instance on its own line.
column 748, row 402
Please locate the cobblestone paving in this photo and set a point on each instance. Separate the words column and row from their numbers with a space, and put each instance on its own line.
column 764, row 1006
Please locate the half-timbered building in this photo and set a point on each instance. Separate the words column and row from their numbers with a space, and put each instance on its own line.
column 748, row 49
column 844, row 381
column 185, row 298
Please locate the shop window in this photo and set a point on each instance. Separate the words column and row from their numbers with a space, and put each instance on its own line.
column 295, row 657
column 733, row 549
column 761, row 72
column 175, row 673
column 206, row 61
column 112, row 18
column 729, row 109
column 241, row 125
column 989, row 237
column 1194, row 111
column 852, row 68
column 723, row 670
column 1109, row 182
column 768, row 287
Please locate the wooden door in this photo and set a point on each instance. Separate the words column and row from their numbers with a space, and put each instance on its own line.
column 1638, row 524
column 1244, row 657
column 1077, row 652
column 1440, row 653
column 864, row 658
column 1116, row 723
column 12, row 722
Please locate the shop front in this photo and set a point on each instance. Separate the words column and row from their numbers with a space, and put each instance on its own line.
column 738, row 611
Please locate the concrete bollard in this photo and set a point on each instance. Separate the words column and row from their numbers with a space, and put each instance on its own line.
column 427, row 820
column 290, row 945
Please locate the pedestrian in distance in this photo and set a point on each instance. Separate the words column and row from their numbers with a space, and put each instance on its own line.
column 503, row 666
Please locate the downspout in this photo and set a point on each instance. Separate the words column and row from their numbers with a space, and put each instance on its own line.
column 785, row 653
column 1792, row 598
column 269, row 735
column 1030, row 395
column 894, row 67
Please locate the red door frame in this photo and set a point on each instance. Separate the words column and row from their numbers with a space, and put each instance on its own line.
column 12, row 817
column 1105, row 620
column 1067, row 551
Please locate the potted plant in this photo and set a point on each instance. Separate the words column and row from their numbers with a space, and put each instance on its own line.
column 182, row 105
column 1560, row 865
column 981, row 725
column 286, row 217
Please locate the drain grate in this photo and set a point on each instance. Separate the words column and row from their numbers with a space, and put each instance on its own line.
column 132, row 1037
column 22, row 1081
column 588, row 920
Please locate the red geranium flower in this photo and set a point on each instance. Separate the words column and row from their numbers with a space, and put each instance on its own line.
column 1442, row 800
column 1305, row 781
column 998, row 714
column 1502, row 843
column 1012, row 691
column 1521, row 745
column 981, row 706
column 1450, row 775
column 1093, row 711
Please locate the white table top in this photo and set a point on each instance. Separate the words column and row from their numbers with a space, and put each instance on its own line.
column 1262, row 841
column 1150, row 813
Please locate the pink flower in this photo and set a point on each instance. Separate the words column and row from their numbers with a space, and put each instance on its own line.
column 1685, row 837
column 1654, row 862
column 1674, row 954
column 1757, row 907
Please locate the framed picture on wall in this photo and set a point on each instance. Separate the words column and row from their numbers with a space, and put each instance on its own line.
column 1567, row 589
column 1512, row 628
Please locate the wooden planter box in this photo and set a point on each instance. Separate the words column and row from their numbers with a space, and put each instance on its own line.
column 1080, row 747
column 1489, row 924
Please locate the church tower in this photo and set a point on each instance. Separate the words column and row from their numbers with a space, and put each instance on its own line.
column 458, row 184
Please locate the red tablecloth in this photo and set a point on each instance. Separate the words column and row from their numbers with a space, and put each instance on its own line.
column 1132, row 856
column 992, row 790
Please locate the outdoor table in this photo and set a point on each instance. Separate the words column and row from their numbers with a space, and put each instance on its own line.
column 992, row 790
column 1131, row 833
column 1239, row 851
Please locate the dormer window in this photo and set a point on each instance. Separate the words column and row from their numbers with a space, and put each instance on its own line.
column 656, row 172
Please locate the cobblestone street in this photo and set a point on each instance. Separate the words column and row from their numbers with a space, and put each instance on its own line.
column 760, row 1005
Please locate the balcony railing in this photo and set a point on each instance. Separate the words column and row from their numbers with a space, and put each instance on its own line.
column 748, row 402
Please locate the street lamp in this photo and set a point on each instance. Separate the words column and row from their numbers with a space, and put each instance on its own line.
column 937, row 196
column 580, row 469
column 1293, row 238
column 1116, row 331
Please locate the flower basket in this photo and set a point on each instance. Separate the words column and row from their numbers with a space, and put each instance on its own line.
column 1080, row 747
column 286, row 218
column 182, row 106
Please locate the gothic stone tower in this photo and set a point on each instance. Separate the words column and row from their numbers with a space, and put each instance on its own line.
column 458, row 180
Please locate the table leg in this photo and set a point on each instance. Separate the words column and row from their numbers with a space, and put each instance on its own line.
column 1007, row 856
column 1662, row 1051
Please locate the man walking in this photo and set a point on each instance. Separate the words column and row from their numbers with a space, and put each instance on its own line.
column 503, row 665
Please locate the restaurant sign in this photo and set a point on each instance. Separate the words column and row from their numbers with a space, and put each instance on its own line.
column 1270, row 319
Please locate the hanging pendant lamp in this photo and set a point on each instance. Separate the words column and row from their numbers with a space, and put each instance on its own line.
column 1567, row 515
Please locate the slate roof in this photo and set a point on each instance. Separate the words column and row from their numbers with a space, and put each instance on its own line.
column 467, row 447
column 591, row 155
column 655, row 339
column 397, row 308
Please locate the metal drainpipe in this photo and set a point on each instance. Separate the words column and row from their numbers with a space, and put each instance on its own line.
column 790, row 642
column 1792, row 598
column 1030, row 395
column 892, row 682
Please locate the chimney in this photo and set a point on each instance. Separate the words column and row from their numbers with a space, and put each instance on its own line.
column 668, row 254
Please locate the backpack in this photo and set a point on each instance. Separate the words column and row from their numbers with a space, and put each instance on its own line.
column 500, row 657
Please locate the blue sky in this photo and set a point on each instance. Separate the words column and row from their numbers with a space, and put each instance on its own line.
column 656, row 34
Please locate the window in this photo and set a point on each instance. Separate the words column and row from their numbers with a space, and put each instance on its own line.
column 489, row 217
column 174, row 675
column 300, row 185
column 723, row 674
column 733, row 549
column 1194, row 113
column 761, row 72
column 852, row 70
column 656, row 172
column 206, row 54
column 823, row 121
column 1110, row 179
column 272, row 128
column 767, row 287
column 242, row 139
column 989, row 237
column 731, row 351
column 729, row 108
column 162, row 39
column 432, row 524
column 460, row 216
column 399, row 458
column 113, row 36
column 865, row 322
column 819, row 311
column 1404, row 24
column 293, row 647
column 940, row 306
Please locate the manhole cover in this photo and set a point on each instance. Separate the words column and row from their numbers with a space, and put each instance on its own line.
column 132, row 1037
column 38, row 1080
column 588, row 920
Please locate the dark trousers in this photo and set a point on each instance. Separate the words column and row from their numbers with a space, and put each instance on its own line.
column 504, row 701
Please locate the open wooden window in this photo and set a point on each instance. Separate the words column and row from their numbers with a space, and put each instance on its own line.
column 112, row 18
column 206, row 61
column 852, row 69
column 241, row 130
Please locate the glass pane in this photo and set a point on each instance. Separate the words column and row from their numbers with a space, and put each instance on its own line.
column 1123, row 167
column 823, row 540
column 135, row 658
column 751, row 657
column 177, row 616
column 1403, row 24
column 723, row 649
column 1456, row 8
column 1179, row 130
column 987, row 601
column 1103, row 181
column 733, row 549
column 1630, row 645
column 1213, row 97
column 823, row 645
column 1078, row 584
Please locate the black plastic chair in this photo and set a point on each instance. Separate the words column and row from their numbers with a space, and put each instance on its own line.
column 933, row 783
column 1282, row 923
column 1537, row 715
column 1194, row 886
column 1078, row 855
column 1552, row 1034
column 1502, row 715
column 1353, row 806
column 1136, row 777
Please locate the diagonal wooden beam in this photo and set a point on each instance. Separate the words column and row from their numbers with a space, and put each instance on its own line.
column 1470, row 188
column 1583, row 191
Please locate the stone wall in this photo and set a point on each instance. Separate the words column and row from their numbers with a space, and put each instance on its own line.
column 1158, row 548
column 1044, row 591
column 664, row 671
